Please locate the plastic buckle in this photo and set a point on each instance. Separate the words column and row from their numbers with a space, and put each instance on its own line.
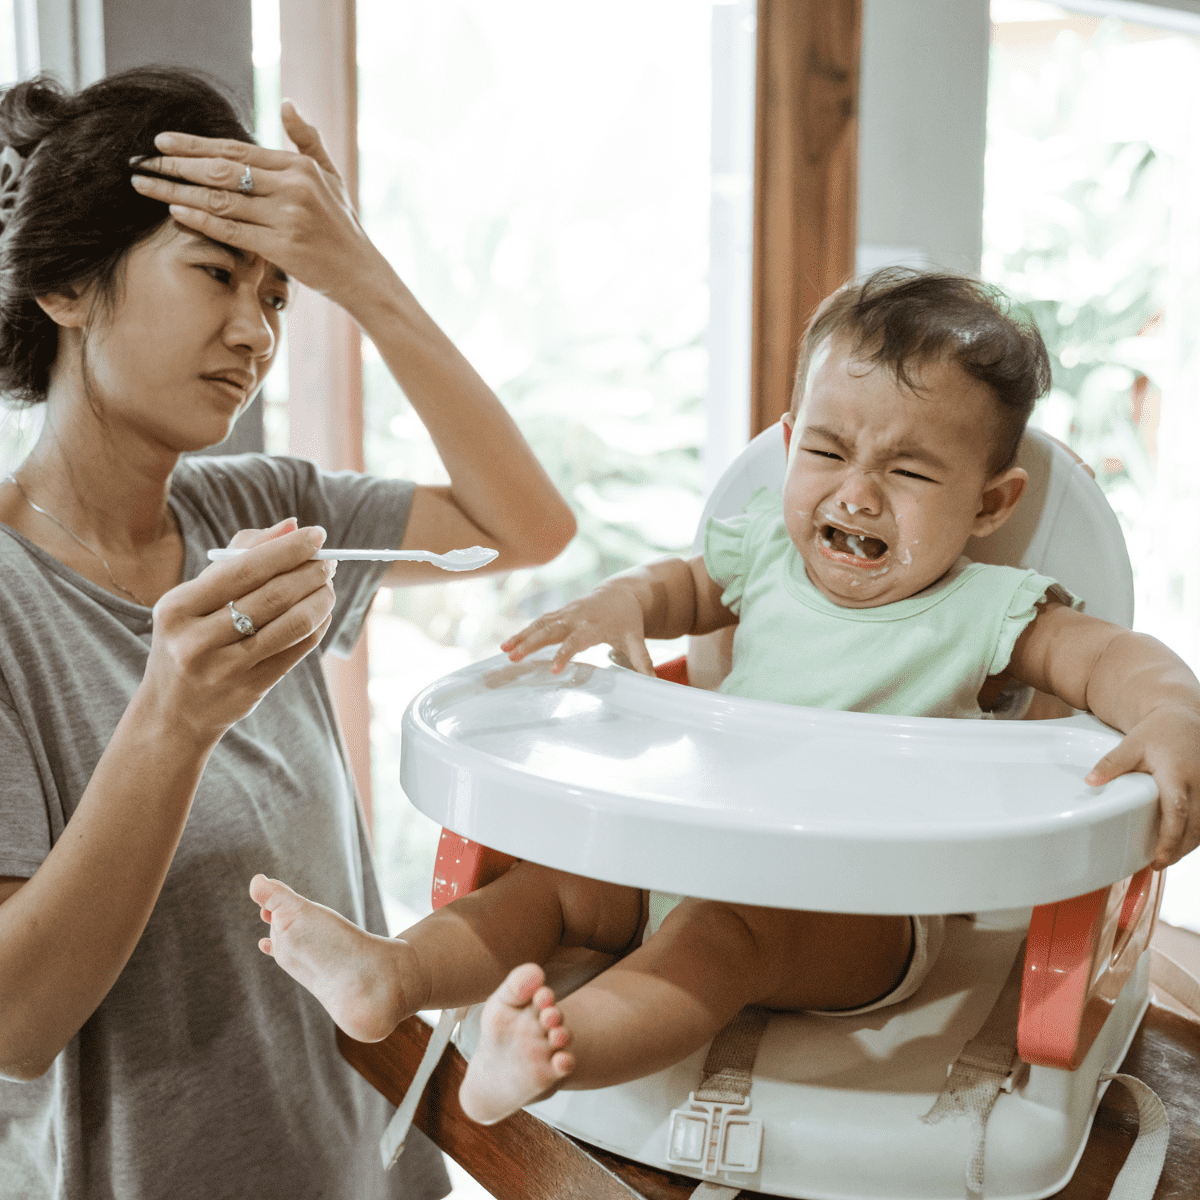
column 713, row 1137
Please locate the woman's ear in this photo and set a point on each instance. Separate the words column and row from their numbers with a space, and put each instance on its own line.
column 67, row 309
column 1000, row 496
column 788, row 421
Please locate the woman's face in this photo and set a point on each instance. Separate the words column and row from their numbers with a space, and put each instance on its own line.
column 186, row 343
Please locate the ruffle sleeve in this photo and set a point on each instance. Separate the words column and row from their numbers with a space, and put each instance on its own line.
column 728, row 545
column 1031, row 590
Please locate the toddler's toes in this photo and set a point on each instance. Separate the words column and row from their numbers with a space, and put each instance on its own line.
column 522, row 984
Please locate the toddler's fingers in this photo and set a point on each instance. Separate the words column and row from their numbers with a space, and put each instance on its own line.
column 639, row 656
column 264, row 944
column 1126, row 756
column 533, row 637
column 575, row 641
column 1175, row 809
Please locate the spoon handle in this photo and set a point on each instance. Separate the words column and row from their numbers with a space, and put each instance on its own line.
column 480, row 559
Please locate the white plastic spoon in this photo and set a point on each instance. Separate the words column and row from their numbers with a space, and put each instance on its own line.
column 469, row 559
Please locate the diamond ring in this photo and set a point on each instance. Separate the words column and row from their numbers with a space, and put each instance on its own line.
column 241, row 622
column 246, row 183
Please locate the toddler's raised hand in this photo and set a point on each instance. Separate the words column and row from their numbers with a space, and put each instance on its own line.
column 1165, row 744
column 611, row 615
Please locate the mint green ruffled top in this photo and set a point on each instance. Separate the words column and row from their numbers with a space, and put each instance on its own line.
column 927, row 655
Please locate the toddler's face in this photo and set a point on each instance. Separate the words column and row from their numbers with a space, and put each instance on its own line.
column 885, row 485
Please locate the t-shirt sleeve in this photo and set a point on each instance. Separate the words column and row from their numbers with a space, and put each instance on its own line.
column 356, row 511
column 1030, row 591
column 728, row 547
column 24, row 823
column 360, row 511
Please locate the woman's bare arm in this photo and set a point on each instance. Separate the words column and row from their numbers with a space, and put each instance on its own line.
column 1134, row 683
column 300, row 218
column 498, row 494
column 67, row 932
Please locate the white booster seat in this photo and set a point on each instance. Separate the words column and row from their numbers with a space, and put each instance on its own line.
column 1043, row 977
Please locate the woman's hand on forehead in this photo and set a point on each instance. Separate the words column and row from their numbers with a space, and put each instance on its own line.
column 289, row 207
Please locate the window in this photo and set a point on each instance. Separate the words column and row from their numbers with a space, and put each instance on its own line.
column 540, row 174
column 1092, row 219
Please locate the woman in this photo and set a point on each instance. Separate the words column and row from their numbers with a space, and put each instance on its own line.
column 165, row 731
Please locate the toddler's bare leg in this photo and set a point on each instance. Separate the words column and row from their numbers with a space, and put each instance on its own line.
column 457, row 955
column 670, row 996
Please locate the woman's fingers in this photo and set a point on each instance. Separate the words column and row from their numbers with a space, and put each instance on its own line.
column 306, row 138
column 245, row 539
column 277, row 665
column 219, row 173
column 204, row 199
column 284, row 611
column 237, row 578
column 190, row 145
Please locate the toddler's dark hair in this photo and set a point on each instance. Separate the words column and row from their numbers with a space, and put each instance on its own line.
column 76, row 215
column 901, row 318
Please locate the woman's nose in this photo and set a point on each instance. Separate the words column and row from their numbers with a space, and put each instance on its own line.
column 248, row 327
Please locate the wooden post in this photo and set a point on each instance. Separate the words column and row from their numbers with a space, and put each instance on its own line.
column 318, row 73
column 805, row 180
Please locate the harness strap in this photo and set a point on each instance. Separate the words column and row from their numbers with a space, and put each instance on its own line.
column 391, row 1145
column 726, row 1075
column 1179, row 983
column 980, row 1071
column 1144, row 1163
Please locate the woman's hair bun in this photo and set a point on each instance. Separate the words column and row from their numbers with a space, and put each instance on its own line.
column 31, row 109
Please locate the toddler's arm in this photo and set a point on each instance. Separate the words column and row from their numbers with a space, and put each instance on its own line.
column 1134, row 683
column 663, row 599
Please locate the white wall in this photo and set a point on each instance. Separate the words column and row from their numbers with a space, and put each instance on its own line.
column 923, row 101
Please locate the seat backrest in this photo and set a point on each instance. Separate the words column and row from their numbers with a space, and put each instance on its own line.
column 1063, row 527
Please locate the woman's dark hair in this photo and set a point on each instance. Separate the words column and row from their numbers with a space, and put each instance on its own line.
column 76, row 215
column 902, row 318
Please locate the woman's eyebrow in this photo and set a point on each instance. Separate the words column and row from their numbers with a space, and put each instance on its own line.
column 240, row 255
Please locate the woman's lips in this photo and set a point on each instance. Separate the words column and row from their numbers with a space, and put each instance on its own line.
column 230, row 389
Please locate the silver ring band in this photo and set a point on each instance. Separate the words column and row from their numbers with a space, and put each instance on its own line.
column 246, row 183
column 241, row 622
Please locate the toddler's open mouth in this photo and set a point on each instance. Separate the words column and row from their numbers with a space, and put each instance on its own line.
column 860, row 545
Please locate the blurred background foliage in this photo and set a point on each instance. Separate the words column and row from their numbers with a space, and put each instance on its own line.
column 539, row 174
column 1075, row 226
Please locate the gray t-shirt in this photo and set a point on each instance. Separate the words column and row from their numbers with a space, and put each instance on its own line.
column 206, row 1072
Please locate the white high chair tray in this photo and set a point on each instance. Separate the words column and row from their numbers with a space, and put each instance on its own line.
column 617, row 776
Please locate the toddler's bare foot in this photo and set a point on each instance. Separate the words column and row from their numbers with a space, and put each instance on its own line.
column 359, row 978
column 521, row 1055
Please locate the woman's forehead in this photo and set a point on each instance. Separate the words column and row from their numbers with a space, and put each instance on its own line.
column 183, row 238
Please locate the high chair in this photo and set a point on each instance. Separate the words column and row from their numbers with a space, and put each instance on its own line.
column 1042, row 981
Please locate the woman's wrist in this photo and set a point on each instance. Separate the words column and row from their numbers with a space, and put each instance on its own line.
column 152, row 722
column 375, row 295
